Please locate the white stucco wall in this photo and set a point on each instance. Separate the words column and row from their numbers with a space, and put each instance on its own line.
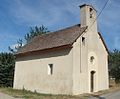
column 31, row 72
column 80, row 77
column 97, row 49
column 103, row 81
column 82, row 66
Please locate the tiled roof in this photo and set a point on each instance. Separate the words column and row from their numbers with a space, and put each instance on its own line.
column 55, row 39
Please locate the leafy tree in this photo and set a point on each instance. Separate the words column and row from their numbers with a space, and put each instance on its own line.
column 35, row 31
column 7, row 63
column 17, row 47
column 114, row 65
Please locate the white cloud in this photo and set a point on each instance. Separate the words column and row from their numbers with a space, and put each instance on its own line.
column 16, row 45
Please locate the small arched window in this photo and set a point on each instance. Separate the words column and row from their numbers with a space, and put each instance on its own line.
column 50, row 69
column 92, row 59
column 83, row 40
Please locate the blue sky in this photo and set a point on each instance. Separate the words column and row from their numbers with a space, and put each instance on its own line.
column 16, row 16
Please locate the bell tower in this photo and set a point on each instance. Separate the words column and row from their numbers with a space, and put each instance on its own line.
column 88, row 17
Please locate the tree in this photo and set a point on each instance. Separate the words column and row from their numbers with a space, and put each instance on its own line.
column 114, row 65
column 17, row 46
column 34, row 31
column 7, row 63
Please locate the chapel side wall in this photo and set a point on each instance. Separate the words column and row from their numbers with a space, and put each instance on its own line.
column 31, row 72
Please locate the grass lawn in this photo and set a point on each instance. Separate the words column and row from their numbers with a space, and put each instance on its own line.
column 33, row 95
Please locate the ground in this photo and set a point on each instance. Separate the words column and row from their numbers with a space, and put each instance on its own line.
column 5, row 96
column 113, row 95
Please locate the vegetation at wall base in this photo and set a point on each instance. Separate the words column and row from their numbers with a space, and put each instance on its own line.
column 24, row 94
column 34, row 95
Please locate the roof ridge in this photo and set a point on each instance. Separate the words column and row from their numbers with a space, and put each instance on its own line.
column 62, row 29
column 50, row 33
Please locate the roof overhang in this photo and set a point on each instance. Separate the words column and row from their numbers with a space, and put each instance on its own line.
column 44, row 50
column 103, row 42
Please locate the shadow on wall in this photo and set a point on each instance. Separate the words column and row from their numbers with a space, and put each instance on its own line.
column 44, row 54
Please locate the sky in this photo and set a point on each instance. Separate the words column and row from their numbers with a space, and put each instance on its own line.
column 17, row 16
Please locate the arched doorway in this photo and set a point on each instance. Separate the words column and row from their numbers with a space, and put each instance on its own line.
column 92, row 82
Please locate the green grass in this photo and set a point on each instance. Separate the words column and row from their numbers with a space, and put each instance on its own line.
column 33, row 95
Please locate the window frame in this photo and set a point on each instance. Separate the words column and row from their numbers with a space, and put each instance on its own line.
column 50, row 69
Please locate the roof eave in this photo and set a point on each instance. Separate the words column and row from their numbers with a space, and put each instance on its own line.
column 103, row 42
column 47, row 49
